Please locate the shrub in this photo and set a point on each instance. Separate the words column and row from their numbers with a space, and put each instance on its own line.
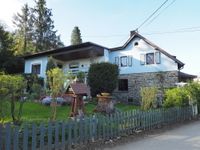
column 148, row 95
column 12, row 87
column 102, row 77
column 36, row 91
column 32, row 79
column 176, row 97
column 194, row 92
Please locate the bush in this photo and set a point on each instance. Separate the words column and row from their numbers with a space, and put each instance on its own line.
column 149, row 95
column 12, row 88
column 194, row 92
column 36, row 91
column 176, row 97
column 32, row 79
column 102, row 77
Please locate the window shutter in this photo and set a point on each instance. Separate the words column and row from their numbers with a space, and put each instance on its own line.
column 157, row 58
column 130, row 61
column 117, row 61
column 142, row 59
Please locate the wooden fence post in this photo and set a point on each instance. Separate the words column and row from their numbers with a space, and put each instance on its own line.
column 16, row 138
column 34, row 136
column 49, row 130
column 7, row 137
column 41, row 136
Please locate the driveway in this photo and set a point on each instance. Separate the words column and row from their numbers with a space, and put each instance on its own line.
column 186, row 137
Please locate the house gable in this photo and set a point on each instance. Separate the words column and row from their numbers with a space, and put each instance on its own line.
column 136, row 38
column 129, row 56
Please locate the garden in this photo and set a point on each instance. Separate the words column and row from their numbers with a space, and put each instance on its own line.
column 21, row 96
column 26, row 120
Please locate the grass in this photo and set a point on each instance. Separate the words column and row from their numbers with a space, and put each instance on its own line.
column 37, row 112
column 126, row 107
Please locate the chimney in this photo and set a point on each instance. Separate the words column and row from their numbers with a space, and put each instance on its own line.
column 133, row 32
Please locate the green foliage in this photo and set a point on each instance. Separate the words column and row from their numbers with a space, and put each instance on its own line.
column 102, row 77
column 194, row 92
column 12, row 88
column 24, row 31
column 32, row 79
column 56, row 80
column 37, row 91
column 149, row 97
column 50, row 64
column 176, row 97
column 81, row 76
column 44, row 33
column 7, row 59
column 35, row 29
column 76, row 36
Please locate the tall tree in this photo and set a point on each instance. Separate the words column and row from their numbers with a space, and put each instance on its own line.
column 45, row 35
column 8, row 62
column 76, row 36
column 24, row 31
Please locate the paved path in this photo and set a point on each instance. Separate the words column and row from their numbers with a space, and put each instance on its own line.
column 186, row 137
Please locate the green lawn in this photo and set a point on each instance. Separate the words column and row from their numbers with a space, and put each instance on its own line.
column 38, row 112
column 125, row 107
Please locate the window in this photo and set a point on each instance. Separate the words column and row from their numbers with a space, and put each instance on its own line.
column 123, row 84
column 60, row 66
column 36, row 68
column 123, row 61
column 149, row 58
column 73, row 65
column 117, row 61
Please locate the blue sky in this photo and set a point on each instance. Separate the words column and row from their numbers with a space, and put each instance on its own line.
column 108, row 22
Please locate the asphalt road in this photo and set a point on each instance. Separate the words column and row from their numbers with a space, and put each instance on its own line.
column 186, row 137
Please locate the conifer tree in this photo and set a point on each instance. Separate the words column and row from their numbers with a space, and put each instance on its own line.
column 76, row 36
column 45, row 35
column 24, row 31
column 8, row 62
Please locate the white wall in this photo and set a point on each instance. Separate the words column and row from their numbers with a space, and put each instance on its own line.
column 84, row 64
column 44, row 59
column 38, row 60
column 167, row 64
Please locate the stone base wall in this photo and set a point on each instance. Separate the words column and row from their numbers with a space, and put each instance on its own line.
column 161, row 80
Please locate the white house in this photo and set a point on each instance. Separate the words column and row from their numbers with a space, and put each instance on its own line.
column 141, row 63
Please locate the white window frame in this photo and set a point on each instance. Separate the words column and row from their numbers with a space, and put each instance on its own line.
column 123, row 61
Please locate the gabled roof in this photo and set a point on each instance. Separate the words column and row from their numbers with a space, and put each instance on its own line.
column 79, row 88
column 64, row 49
column 136, row 34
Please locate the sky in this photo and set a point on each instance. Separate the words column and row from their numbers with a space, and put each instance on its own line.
column 176, row 27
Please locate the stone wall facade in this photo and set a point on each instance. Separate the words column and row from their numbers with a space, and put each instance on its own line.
column 161, row 80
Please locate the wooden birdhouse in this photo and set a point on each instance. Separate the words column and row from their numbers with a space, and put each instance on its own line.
column 77, row 91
